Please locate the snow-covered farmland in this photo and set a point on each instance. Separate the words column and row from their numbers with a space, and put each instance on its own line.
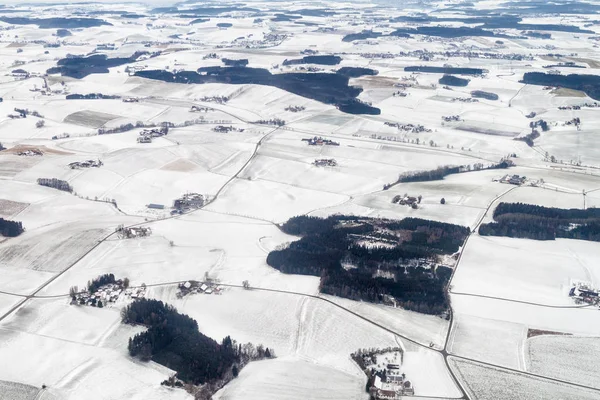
column 485, row 382
column 525, row 270
column 570, row 358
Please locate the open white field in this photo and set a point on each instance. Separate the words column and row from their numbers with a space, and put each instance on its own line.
column 579, row 321
column 526, row 270
column 424, row 329
column 292, row 379
column 483, row 383
column 17, row 391
column 278, row 202
column 73, row 370
column 489, row 340
column 569, row 358
column 467, row 195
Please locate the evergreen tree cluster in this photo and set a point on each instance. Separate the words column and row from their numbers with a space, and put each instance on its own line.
column 173, row 340
column 530, row 221
column 55, row 184
column 590, row 84
column 329, row 245
column 441, row 172
column 102, row 280
column 452, row 80
column 10, row 228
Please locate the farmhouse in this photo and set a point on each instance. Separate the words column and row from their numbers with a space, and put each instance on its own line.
column 133, row 232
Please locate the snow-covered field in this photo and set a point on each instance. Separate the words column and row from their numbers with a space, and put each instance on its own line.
column 485, row 383
column 526, row 270
column 258, row 176
column 569, row 358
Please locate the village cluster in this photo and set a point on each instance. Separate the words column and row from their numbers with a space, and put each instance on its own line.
column 108, row 294
column 30, row 152
column 196, row 287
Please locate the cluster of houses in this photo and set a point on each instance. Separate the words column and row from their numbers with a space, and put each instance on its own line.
column 584, row 293
column 30, row 152
column 86, row 164
column 226, row 129
column 147, row 135
column 511, row 179
column 451, row 118
column 325, row 162
column 187, row 202
column 107, row 294
column 319, row 141
column 407, row 200
column 196, row 287
column 133, row 232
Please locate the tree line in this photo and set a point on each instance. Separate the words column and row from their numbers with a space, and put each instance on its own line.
column 369, row 259
column 441, row 172
column 530, row 221
column 11, row 228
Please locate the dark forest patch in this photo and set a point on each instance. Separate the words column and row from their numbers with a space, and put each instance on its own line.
column 373, row 259
column 530, row 221
column 324, row 87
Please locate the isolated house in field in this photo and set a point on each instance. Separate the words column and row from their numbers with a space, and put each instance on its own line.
column 156, row 206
